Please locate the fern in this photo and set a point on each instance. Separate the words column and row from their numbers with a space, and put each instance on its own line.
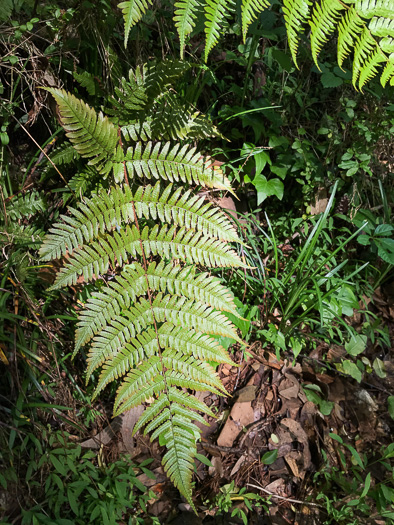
column 151, row 327
column 174, row 164
column 251, row 9
column 296, row 12
column 370, row 8
column 323, row 23
column 93, row 137
column 348, row 18
column 133, row 11
column 349, row 28
column 24, row 206
column 216, row 12
column 184, row 19
column 388, row 73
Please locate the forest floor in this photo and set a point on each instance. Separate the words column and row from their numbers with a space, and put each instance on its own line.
column 280, row 411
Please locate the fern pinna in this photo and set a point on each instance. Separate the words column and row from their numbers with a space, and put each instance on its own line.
column 152, row 325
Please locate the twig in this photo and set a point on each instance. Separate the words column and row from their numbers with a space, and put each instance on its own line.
column 43, row 152
column 290, row 500
column 234, row 450
column 253, row 426
column 263, row 361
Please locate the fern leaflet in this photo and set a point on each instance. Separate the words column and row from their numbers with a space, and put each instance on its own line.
column 251, row 9
column 184, row 18
column 133, row 11
column 296, row 12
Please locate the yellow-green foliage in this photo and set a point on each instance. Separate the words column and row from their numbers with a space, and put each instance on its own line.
column 364, row 28
column 151, row 326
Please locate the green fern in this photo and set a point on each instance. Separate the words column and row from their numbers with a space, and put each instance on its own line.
column 184, row 19
column 24, row 206
column 151, row 327
column 251, row 9
column 94, row 137
column 370, row 8
column 323, row 22
column 296, row 12
column 349, row 28
column 133, row 11
column 174, row 163
column 216, row 12
column 348, row 18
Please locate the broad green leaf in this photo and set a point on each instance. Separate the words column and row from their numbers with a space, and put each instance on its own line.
column 203, row 460
column 266, row 188
column 352, row 369
column 356, row 345
column 367, row 484
column 390, row 403
column 269, row 457
column 379, row 368
column 329, row 80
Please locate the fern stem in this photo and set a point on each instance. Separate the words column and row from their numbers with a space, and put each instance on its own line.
column 43, row 152
column 145, row 266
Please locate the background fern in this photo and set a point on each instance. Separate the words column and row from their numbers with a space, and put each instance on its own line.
column 151, row 325
column 364, row 27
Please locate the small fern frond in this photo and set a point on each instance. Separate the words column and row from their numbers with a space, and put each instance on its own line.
column 24, row 206
column 216, row 12
column 324, row 22
column 349, row 28
column 133, row 11
column 388, row 73
column 174, row 164
column 158, row 76
column 184, row 18
column 364, row 49
column 296, row 12
column 251, row 9
column 92, row 135
column 370, row 67
column 131, row 95
column 171, row 120
column 65, row 155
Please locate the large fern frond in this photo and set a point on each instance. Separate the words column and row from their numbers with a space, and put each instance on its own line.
column 154, row 323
